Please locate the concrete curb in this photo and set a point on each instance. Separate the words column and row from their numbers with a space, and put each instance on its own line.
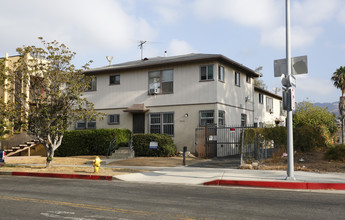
column 59, row 175
column 279, row 184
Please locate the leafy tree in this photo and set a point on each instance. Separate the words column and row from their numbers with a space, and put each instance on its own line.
column 6, row 108
column 54, row 97
column 307, row 114
column 260, row 83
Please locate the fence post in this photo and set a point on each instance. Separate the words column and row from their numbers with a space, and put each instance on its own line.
column 184, row 155
column 242, row 146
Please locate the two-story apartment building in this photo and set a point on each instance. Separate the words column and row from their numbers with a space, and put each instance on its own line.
column 175, row 95
column 268, row 108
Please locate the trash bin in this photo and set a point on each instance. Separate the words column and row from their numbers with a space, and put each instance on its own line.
column 2, row 156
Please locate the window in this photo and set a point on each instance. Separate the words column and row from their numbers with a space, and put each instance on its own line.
column 221, row 118
column 86, row 124
column 113, row 119
column 161, row 82
column 243, row 120
column 93, row 84
column 206, row 72
column 221, row 73
column 269, row 105
column 206, row 117
column 261, row 98
column 114, row 80
column 237, row 79
column 282, row 111
column 248, row 79
column 162, row 123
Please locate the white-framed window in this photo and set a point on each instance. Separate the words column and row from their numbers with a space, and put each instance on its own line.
column 237, row 79
column 261, row 98
column 92, row 85
column 243, row 120
column 206, row 73
column 282, row 111
column 161, row 82
column 221, row 118
column 113, row 119
column 114, row 80
column 221, row 73
column 206, row 117
column 85, row 124
column 269, row 105
column 162, row 123
column 248, row 78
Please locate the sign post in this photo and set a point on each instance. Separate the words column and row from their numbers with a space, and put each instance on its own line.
column 286, row 69
column 290, row 169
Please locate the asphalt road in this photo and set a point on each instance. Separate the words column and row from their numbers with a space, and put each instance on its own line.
column 49, row 198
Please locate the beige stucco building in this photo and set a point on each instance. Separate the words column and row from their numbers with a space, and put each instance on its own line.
column 175, row 95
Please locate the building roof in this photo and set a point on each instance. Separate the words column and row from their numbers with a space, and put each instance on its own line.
column 172, row 60
column 266, row 92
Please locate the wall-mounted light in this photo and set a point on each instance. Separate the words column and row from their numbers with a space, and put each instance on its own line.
column 248, row 98
column 186, row 115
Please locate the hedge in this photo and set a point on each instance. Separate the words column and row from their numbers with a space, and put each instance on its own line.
column 91, row 142
column 306, row 138
column 141, row 145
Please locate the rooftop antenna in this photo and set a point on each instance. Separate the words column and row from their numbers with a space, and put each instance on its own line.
column 109, row 58
column 141, row 46
column 276, row 90
column 258, row 69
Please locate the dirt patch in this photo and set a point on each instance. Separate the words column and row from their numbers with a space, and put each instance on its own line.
column 156, row 161
column 304, row 162
column 75, row 160
column 69, row 170
column 37, row 164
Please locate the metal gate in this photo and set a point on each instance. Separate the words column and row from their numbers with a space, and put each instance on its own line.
column 214, row 141
column 205, row 141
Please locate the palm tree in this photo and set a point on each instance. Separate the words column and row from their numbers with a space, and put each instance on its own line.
column 338, row 79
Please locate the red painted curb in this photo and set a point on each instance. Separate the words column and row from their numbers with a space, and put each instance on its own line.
column 283, row 185
column 59, row 175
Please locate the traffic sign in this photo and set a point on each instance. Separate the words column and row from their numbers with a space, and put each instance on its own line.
column 299, row 65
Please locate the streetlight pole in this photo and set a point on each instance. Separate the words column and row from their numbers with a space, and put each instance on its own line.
column 290, row 169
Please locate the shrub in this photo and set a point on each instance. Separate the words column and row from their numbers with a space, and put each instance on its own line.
column 276, row 134
column 141, row 145
column 336, row 153
column 91, row 142
column 308, row 138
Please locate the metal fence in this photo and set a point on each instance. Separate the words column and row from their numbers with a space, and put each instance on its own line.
column 212, row 141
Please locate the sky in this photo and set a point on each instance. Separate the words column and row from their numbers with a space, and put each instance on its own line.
column 251, row 32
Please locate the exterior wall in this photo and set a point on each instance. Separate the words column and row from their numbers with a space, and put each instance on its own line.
column 184, row 127
column 134, row 86
column 190, row 96
column 265, row 117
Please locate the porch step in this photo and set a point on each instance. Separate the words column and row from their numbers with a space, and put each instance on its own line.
column 21, row 147
column 123, row 153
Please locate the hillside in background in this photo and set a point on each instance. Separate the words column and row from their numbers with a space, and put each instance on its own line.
column 332, row 107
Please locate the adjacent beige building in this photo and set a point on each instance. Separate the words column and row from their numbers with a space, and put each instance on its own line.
column 175, row 95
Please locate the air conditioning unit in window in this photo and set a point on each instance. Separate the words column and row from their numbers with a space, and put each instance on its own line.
column 154, row 91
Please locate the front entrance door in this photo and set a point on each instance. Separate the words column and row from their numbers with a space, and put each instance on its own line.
column 138, row 123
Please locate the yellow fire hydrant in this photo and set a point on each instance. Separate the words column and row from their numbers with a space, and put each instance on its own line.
column 96, row 164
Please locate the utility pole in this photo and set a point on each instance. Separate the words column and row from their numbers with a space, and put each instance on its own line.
column 290, row 168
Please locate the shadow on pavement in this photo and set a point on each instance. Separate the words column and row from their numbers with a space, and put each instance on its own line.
column 221, row 162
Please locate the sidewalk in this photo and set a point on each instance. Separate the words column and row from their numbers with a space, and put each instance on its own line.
column 192, row 175
column 239, row 177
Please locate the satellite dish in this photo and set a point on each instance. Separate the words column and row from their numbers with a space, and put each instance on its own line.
column 109, row 58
